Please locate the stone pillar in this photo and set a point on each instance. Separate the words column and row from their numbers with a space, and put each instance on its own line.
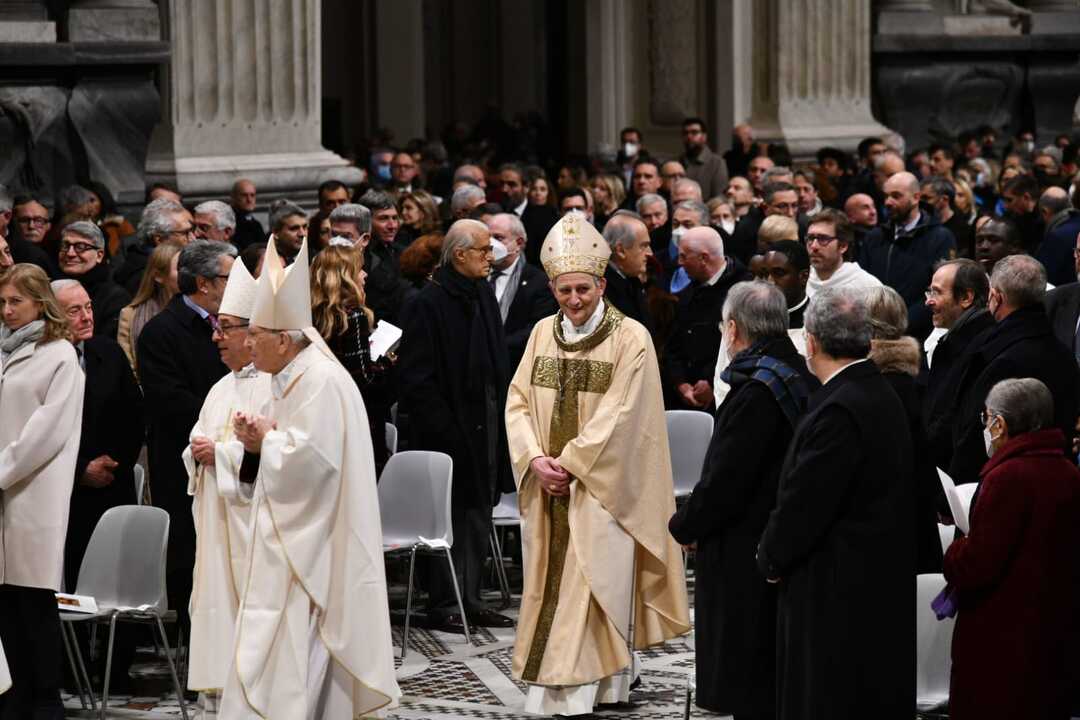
column 607, row 67
column 25, row 21
column 812, row 74
column 103, row 20
column 907, row 17
column 243, row 99
column 400, row 82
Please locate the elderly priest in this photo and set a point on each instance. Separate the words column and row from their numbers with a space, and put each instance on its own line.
column 588, row 441
column 221, row 502
column 313, row 629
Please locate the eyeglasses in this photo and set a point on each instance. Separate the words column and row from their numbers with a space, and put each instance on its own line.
column 822, row 240
column 33, row 221
column 932, row 294
column 224, row 330
column 986, row 417
column 486, row 250
column 785, row 206
column 183, row 231
column 79, row 248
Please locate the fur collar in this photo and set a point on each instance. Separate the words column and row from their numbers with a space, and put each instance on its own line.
column 896, row 355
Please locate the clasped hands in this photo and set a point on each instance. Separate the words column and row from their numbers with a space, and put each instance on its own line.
column 698, row 395
column 554, row 480
column 251, row 429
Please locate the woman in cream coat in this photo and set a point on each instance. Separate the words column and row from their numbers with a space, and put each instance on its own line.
column 41, row 396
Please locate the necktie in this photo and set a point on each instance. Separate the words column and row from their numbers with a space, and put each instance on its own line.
column 495, row 275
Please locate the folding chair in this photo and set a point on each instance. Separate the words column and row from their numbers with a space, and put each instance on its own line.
column 689, row 433
column 124, row 571
column 414, row 501
column 933, row 646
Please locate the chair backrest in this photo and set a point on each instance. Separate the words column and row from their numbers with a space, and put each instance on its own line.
column 391, row 438
column 124, row 564
column 507, row 511
column 140, row 483
column 933, row 645
column 689, row 433
column 414, row 495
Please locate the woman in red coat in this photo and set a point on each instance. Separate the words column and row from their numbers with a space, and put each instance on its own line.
column 1015, row 576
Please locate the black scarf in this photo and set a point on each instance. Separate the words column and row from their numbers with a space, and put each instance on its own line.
column 483, row 337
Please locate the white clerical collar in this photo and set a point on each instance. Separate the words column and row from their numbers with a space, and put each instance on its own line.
column 248, row 371
column 279, row 383
column 521, row 208
column 842, row 369
column 573, row 334
column 716, row 278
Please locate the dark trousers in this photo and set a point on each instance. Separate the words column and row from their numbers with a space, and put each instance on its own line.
column 30, row 632
column 472, row 530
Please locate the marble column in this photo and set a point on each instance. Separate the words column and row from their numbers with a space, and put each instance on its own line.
column 812, row 74
column 107, row 20
column 607, row 69
column 25, row 21
column 243, row 99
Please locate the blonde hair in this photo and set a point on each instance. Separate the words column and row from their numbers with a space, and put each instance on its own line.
column 429, row 221
column 776, row 228
column 887, row 312
column 32, row 282
column 157, row 268
column 614, row 187
column 336, row 289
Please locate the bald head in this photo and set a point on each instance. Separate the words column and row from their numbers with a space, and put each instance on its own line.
column 704, row 240
column 701, row 253
column 902, row 197
column 903, row 180
column 889, row 163
column 861, row 210
column 1052, row 201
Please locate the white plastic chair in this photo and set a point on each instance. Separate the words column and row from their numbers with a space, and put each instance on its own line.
column 947, row 533
column 505, row 514
column 414, row 501
column 140, row 483
column 391, row 438
column 689, row 433
column 933, row 646
column 124, row 571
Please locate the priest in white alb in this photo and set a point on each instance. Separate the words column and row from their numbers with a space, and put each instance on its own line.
column 312, row 634
column 588, row 443
column 221, row 504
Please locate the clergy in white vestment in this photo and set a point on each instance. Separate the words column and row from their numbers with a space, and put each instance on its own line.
column 588, row 443
column 221, row 503
column 313, row 630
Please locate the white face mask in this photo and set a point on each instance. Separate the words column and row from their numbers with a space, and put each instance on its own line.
column 988, row 441
column 630, row 149
column 498, row 250
column 676, row 234
column 728, row 226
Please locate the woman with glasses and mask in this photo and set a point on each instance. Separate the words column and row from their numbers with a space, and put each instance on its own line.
column 1014, row 578
column 41, row 398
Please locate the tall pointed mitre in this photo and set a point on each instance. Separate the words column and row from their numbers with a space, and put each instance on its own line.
column 239, row 296
column 574, row 245
column 283, row 295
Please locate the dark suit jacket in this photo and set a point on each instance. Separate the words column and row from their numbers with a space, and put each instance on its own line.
column 178, row 364
column 112, row 425
column 1021, row 345
column 627, row 294
column 249, row 230
column 538, row 220
column 532, row 302
column 108, row 298
column 1063, row 309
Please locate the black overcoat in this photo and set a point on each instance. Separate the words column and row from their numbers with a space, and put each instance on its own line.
column 840, row 542
column 735, row 609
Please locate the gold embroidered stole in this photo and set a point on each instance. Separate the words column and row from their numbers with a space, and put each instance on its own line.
column 567, row 377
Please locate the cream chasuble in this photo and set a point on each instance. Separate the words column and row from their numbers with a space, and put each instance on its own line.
column 221, row 507
column 313, row 630
column 596, row 406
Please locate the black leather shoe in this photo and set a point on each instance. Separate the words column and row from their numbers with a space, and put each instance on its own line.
column 489, row 618
column 450, row 624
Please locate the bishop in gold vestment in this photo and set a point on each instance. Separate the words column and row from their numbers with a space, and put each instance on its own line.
column 601, row 570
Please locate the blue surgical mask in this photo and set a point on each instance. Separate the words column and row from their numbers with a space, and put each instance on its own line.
column 382, row 172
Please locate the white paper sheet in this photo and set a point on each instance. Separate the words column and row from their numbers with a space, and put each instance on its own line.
column 385, row 337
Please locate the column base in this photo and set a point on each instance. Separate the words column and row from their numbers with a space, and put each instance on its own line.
column 804, row 141
column 27, row 31
column 293, row 175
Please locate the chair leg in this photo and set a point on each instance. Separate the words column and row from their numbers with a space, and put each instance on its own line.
column 82, row 667
column 408, row 605
column 457, row 592
column 689, row 700
column 500, row 568
column 108, row 664
column 71, row 663
column 172, row 668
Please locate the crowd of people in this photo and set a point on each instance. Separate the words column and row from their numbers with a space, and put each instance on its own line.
column 854, row 324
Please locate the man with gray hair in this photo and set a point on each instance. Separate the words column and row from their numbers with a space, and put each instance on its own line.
column 840, row 544
column 214, row 220
column 686, row 189
column 653, row 210
column 685, row 216
column 178, row 364
column 453, row 378
column 288, row 228
column 351, row 221
column 735, row 609
column 690, row 360
column 628, row 238
column 465, row 200
column 521, row 289
column 163, row 220
column 1021, row 344
column 82, row 257
column 1062, row 221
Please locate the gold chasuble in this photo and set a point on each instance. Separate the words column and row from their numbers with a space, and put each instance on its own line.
column 595, row 405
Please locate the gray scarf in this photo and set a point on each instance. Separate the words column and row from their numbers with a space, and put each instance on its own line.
column 12, row 340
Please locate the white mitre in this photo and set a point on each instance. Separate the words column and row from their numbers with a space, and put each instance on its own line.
column 239, row 296
column 283, row 295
